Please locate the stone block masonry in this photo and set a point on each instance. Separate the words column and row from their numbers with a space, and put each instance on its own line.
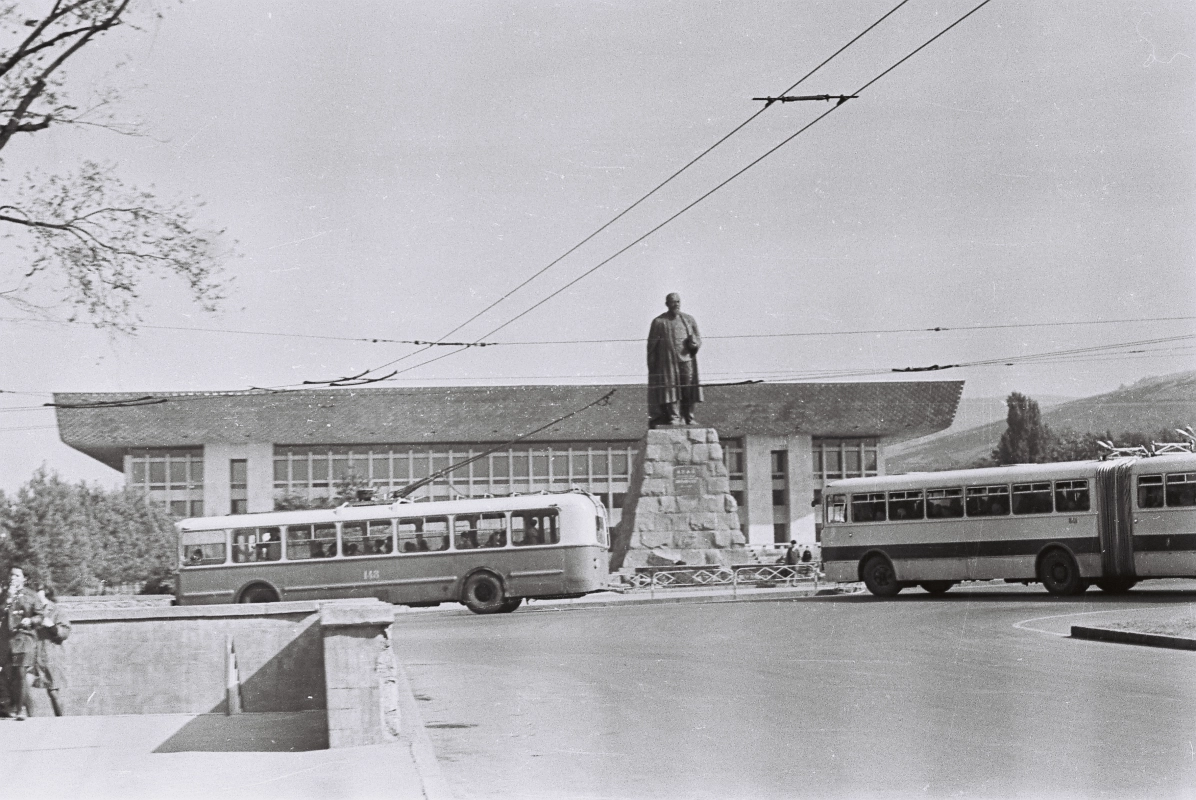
column 679, row 505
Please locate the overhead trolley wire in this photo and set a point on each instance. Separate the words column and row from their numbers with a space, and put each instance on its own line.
column 707, row 194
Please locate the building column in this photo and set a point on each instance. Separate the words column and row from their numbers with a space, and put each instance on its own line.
column 802, row 515
column 217, row 476
column 757, row 473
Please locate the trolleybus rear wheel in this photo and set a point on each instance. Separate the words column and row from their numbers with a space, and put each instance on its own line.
column 259, row 593
column 1059, row 574
column 937, row 587
column 879, row 577
column 1116, row 585
column 482, row 593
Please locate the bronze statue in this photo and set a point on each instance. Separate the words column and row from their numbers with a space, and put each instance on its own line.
column 673, row 387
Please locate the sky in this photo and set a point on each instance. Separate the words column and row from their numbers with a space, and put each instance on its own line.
column 387, row 170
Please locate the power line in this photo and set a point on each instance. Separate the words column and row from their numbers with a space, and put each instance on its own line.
column 669, row 179
column 707, row 194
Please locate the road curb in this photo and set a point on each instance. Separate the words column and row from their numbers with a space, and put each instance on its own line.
column 792, row 594
column 432, row 781
column 1132, row 637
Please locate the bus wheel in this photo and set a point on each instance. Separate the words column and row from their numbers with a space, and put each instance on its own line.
column 879, row 577
column 1116, row 585
column 1059, row 574
column 937, row 587
column 483, row 593
column 510, row 604
column 259, row 593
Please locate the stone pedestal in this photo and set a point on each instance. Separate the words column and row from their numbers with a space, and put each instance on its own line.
column 679, row 505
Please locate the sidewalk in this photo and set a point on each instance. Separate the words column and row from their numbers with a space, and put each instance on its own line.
column 640, row 597
column 181, row 756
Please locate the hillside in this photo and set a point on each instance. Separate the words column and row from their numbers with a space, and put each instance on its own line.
column 1150, row 404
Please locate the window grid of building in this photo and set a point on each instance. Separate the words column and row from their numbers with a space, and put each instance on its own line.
column 603, row 468
column 844, row 458
column 733, row 457
column 169, row 478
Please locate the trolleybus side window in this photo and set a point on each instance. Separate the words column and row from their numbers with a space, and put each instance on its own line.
column 868, row 507
column 472, row 531
column 944, row 503
column 1071, row 496
column 1150, row 491
column 202, row 548
column 1181, row 489
column 423, row 535
column 311, row 541
column 256, row 544
column 535, row 527
column 836, row 508
column 380, row 533
column 906, row 505
column 987, row 501
column 1032, row 498
column 354, row 539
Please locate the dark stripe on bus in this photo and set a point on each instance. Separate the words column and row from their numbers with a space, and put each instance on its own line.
column 986, row 549
column 1162, row 542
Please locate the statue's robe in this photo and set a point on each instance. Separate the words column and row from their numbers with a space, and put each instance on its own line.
column 666, row 349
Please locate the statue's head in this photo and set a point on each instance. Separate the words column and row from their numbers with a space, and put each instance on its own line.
column 673, row 301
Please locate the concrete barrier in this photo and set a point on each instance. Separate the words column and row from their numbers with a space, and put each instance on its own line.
column 297, row 656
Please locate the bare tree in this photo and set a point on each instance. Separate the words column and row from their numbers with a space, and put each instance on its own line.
column 89, row 238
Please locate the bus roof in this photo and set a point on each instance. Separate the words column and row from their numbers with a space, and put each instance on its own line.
column 271, row 519
column 1004, row 474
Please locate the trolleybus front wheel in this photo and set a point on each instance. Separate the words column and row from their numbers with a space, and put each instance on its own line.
column 1116, row 585
column 259, row 593
column 879, row 577
column 483, row 593
column 510, row 604
column 937, row 587
column 1059, row 574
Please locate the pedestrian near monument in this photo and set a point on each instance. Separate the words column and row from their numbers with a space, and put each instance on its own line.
column 22, row 612
column 50, row 663
column 673, row 385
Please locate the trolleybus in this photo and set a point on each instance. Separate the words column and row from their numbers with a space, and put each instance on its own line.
column 1067, row 525
column 488, row 554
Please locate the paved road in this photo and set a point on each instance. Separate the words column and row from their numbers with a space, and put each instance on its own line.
column 972, row 694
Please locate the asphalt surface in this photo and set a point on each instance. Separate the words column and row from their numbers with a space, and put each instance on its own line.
column 976, row 694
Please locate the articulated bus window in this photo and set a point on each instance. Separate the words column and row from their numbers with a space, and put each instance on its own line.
column 1032, row 498
column 987, row 501
column 905, row 505
column 836, row 508
column 311, row 541
column 535, row 527
column 1150, row 491
column 1181, row 489
column 1071, row 496
column 944, row 503
column 202, row 548
column 868, row 507
column 256, row 544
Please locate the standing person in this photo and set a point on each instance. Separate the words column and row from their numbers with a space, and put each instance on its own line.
column 50, row 664
column 5, row 658
column 673, row 386
column 791, row 558
column 22, row 611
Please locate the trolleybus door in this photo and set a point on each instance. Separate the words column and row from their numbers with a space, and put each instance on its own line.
column 1115, row 519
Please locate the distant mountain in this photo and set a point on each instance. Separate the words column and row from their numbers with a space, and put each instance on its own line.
column 1151, row 404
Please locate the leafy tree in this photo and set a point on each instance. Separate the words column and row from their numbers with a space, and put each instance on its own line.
column 1027, row 439
column 90, row 240
column 79, row 535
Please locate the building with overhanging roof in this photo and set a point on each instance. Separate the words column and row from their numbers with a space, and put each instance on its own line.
column 219, row 453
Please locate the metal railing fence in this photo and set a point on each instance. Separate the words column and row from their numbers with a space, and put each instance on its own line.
column 741, row 575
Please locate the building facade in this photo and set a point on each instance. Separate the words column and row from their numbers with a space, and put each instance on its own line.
column 207, row 454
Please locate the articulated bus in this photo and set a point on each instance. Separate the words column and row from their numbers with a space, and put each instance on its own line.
column 488, row 554
column 1066, row 525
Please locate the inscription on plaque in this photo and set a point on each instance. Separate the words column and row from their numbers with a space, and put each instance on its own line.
column 686, row 480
